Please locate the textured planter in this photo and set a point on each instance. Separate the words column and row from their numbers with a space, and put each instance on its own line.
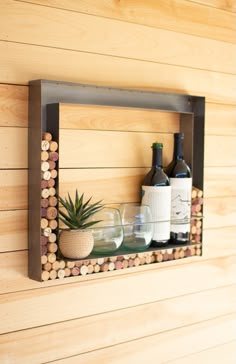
column 76, row 244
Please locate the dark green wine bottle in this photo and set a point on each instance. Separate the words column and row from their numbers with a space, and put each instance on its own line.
column 180, row 177
column 156, row 193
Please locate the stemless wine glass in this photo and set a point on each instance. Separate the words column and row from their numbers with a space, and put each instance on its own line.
column 138, row 227
column 108, row 233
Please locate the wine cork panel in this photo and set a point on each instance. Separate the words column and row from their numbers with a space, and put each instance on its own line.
column 95, row 117
column 52, row 268
column 110, row 149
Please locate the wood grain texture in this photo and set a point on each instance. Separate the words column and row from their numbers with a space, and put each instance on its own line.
column 96, row 117
column 219, row 181
column 101, row 183
column 219, row 212
column 156, row 348
column 13, row 230
column 111, row 71
column 13, row 147
column 220, row 115
column 220, row 151
column 191, row 17
column 141, row 42
column 13, row 105
column 219, row 242
column 110, row 149
column 22, row 306
column 13, row 189
column 217, row 354
column 194, row 308
column 228, row 5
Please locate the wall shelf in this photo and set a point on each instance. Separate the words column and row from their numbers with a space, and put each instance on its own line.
column 45, row 100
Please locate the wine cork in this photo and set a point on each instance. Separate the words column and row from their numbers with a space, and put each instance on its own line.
column 70, row 264
column 46, row 175
column 52, row 247
column 62, row 264
column 130, row 263
column 52, row 200
column 44, row 259
column 44, row 155
column 44, row 202
column 75, row 271
column 165, row 256
column 52, row 191
column 47, row 231
column 53, row 274
column 67, row 272
column 93, row 261
column 142, row 260
column 43, row 212
column 188, row 253
column 43, row 250
column 90, row 268
column 148, row 259
column 52, row 164
column 55, row 265
column 43, row 240
column 112, row 259
column 47, row 136
column 181, row 254
column 52, row 238
column 44, row 184
column 78, row 263
column 44, row 145
column 61, row 273
column 45, row 193
column 97, row 268
column 51, row 182
column 137, row 261
column 47, row 266
column 176, row 254
column 44, row 166
column 53, row 146
column 51, row 213
column 53, row 173
column 44, row 223
column 159, row 258
column 45, row 275
column 125, row 263
column 118, row 264
column 100, row 261
column 51, row 257
column 104, row 267
column 53, row 156
column 83, row 270
column 111, row 266
column 53, row 224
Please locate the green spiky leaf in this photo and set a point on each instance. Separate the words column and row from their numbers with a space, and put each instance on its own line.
column 75, row 213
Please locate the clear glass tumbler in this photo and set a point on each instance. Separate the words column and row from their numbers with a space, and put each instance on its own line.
column 108, row 233
column 138, row 226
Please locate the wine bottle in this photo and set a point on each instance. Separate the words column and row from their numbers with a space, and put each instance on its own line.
column 180, row 177
column 156, row 193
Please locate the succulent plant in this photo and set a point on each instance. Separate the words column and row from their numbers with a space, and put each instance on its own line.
column 77, row 212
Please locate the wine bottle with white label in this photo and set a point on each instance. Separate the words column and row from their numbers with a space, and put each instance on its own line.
column 156, row 193
column 180, row 177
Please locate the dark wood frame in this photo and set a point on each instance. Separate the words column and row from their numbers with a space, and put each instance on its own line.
column 43, row 115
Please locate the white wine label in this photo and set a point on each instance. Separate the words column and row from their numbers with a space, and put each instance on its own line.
column 180, row 204
column 159, row 201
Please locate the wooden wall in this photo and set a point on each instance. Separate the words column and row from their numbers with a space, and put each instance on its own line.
column 181, row 311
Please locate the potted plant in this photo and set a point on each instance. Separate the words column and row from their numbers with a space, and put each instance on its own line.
column 77, row 241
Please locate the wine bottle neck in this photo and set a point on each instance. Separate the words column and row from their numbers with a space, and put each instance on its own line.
column 157, row 158
column 178, row 149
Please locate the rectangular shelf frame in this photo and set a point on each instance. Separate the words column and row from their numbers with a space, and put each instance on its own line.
column 44, row 97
